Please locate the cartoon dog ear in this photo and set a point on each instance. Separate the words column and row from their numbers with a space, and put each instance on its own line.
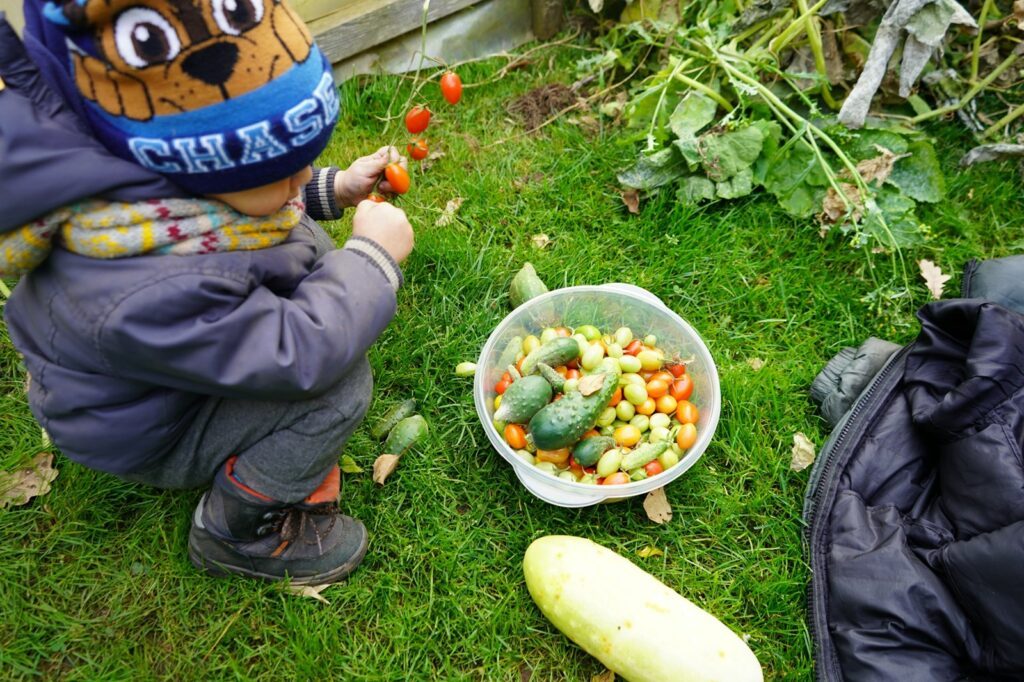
column 70, row 13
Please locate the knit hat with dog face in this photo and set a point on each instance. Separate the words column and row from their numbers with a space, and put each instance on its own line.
column 217, row 95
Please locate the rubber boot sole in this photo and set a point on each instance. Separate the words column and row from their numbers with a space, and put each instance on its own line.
column 228, row 567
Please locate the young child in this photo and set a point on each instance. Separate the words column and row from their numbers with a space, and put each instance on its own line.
column 183, row 321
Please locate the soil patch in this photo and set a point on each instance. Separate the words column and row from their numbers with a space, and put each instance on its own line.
column 540, row 104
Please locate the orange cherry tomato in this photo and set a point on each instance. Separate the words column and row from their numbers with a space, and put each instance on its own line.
column 666, row 404
column 590, row 434
column 653, row 468
column 616, row 397
column 682, row 388
column 687, row 412
column 563, row 331
column 687, row 436
column 398, row 177
column 417, row 120
column 677, row 370
column 646, row 375
column 515, row 436
column 662, row 375
column 506, row 377
column 519, row 364
column 451, row 87
column 559, row 457
column 562, row 370
column 376, row 198
column 656, row 388
column 501, row 387
column 417, row 149
column 618, row 478
column 647, row 407
column 634, row 347
column 572, row 374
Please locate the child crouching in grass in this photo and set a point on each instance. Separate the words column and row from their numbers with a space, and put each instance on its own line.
column 183, row 319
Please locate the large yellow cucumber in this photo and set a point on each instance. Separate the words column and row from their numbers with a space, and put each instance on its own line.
column 636, row 625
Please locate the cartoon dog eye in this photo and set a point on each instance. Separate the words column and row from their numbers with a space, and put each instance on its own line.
column 144, row 38
column 234, row 17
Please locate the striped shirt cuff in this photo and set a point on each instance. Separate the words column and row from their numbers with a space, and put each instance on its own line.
column 319, row 192
column 379, row 257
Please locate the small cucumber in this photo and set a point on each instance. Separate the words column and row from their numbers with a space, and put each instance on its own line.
column 405, row 434
column 558, row 351
column 556, row 380
column 563, row 422
column 391, row 418
column 525, row 285
column 589, row 450
column 643, row 455
column 522, row 399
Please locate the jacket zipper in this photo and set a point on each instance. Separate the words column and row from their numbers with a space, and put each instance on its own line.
column 825, row 485
column 969, row 270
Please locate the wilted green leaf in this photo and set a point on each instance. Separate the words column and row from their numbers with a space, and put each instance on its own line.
column 901, row 227
column 694, row 112
column 919, row 176
column 654, row 170
column 797, row 180
column 739, row 185
column 864, row 144
column 726, row 154
column 695, row 189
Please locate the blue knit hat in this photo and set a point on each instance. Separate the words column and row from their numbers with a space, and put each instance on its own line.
column 217, row 95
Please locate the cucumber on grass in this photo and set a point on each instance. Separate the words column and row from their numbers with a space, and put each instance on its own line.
column 394, row 415
column 525, row 285
column 405, row 434
column 637, row 626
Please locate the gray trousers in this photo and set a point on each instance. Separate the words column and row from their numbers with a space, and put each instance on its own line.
column 284, row 449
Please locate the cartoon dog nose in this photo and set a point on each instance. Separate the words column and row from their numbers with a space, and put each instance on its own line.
column 212, row 65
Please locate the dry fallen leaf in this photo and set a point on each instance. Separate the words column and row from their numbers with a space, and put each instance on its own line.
column 383, row 467
column 1018, row 13
column 833, row 208
column 591, row 383
column 879, row 168
column 525, row 672
column 631, row 198
column 311, row 591
column 540, row 241
column 431, row 159
column 596, row 5
column 20, row 486
column 448, row 214
column 349, row 466
column 657, row 507
column 933, row 277
column 803, row 452
column 649, row 551
column 606, row 676
column 755, row 364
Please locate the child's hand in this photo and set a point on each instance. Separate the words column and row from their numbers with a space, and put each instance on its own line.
column 386, row 225
column 353, row 184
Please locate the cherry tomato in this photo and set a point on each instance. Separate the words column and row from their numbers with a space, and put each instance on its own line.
column 647, row 407
column 687, row 436
column 451, row 87
column 656, row 388
column 500, row 387
column 559, row 457
column 563, row 331
column 519, row 365
column 618, row 478
column 634, row 347
column 573, row 364
column 666, row 404
column 572, row 374
column 616, row 397
column 687, row 412
column 417, row 149
column 662, row 375
column 562, row 370
column 677, row 370
column 376, row 198
column 653, row 468
column 575, row 468
column 515, row 436
column 646, row 374
column 627, row 435
column 417, row 120
column 682, row 388
column 590, row 434
column 398, row 177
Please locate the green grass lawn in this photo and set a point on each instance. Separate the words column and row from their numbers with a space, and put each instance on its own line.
column 94, row 579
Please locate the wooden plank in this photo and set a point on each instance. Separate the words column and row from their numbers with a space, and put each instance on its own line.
column 547, row 18
column 362, row 24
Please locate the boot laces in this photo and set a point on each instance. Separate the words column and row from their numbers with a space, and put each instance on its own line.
column 293, row 522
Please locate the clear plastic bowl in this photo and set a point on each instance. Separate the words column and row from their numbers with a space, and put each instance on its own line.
column 608, row 307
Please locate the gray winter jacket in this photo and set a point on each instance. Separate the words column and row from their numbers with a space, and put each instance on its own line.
column 122, row 352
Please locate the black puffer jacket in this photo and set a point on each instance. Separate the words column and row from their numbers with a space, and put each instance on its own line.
column 915, row 509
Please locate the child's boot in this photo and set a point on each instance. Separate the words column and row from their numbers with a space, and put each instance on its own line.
column 238, row 530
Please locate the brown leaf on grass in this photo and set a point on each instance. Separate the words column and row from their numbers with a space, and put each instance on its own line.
column 631, row 198
column 383, row 467
column 311, row 591
column 657, row 507
column 19, row 487
column 591, row 384
column 879, row 168
column 649, row 551
column 431, row 159
column 448, row 214
column 525, row 672
column 606, row 676
column 540, row 241
column 755, row 364
column 933, row 277
column 803, row 452
column 834, row 208
column 1018, row 13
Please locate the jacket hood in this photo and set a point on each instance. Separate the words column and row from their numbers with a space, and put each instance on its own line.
column 48, row 159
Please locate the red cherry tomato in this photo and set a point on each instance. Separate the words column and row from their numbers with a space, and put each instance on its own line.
column 634, row 347
column 682, row 388
column 376, row 198
column 677, row 370
column 398, row 177
column 417, row 120
column 451, row 87
column 500, row 387
column 572, row 374
column 417, row 149
column 653, row 468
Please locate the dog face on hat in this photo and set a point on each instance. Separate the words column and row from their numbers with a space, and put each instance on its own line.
column 143, row 58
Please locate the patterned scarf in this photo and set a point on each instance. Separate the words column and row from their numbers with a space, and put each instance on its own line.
column 99, row 229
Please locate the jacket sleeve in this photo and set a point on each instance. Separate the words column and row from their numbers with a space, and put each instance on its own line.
column 318, row 193
column 221, row 336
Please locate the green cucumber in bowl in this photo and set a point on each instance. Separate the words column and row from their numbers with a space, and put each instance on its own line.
column 562, row 423
column 523, row 399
